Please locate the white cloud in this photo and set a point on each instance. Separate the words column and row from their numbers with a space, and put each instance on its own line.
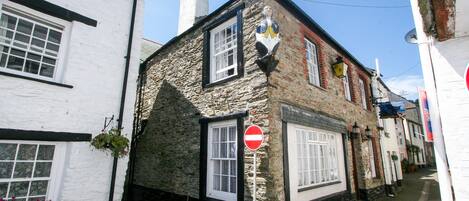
column 406, row 85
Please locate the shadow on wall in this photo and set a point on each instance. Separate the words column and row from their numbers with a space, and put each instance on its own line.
column 167, row 155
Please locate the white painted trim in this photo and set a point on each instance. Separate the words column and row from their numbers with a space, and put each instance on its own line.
column 51, row 23
column 209, row 185
column 293, row 167
column 313, row 68
column 213, row 71
column 53, row 188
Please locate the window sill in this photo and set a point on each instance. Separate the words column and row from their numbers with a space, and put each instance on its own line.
column 36, row 79
column 318, row 186
column 222, row 81
column 350, row 101
column 318, row 87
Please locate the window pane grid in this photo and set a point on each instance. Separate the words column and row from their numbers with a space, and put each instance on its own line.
column 224, row 54
column 224, row 158
column 312, row 62
column 346, row 82
column 23, row 182
column 363, row 94
column 317, row 158
column 38, row 46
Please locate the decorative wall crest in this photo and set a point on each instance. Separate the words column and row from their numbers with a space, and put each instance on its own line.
column 267, row 41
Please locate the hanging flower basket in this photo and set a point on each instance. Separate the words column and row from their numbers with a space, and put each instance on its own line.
column 113, row 142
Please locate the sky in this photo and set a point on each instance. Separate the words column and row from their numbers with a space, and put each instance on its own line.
column 368, row 29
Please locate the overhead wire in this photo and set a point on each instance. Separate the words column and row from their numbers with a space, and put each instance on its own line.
column 403, row 72
column 355, row 5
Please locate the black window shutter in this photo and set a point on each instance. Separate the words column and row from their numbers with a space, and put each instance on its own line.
column 206, row 60
column 240, row 58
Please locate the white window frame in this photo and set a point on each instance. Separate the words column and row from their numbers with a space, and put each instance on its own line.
column 313, row 192
column 48, row 21
column 347, row 91
column 58, row 162
column 312, row 60
column 213, row 54
column 221, row 195
column 371, row 153
column 361, row 83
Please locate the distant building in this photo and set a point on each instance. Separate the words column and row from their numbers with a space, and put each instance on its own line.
column 412, row 132
column 62, row 70
column 148, row 47
column 392, row 140
column 200, row 90
column 443, row 40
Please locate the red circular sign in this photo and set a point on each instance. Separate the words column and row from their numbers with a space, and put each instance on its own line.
column 467, row 77
column 253, row 137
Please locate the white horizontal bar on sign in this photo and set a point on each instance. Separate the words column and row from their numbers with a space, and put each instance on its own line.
column 253, row 137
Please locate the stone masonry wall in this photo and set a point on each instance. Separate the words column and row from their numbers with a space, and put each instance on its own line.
column 291, row 86
column 174, row 101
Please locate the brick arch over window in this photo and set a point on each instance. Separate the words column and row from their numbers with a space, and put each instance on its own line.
column 351, row 80
column 322, row 63
column 367, row 84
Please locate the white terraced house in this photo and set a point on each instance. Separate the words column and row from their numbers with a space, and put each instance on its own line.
column 64, row 67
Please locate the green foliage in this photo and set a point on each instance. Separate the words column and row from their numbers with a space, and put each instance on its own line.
column 112, row 141
column 394, row 157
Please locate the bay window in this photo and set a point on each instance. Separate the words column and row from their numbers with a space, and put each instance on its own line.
column 316, row 162
column 317, row 158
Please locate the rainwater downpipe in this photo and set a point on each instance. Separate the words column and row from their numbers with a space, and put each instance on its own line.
column 123, row 94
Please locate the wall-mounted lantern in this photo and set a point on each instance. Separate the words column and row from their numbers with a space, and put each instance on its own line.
column 340, row 68
column 355, row 131
column 368, row 134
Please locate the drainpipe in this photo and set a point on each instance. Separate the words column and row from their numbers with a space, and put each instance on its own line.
column 123, row 94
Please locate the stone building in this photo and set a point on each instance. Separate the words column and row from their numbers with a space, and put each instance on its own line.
column 62, row 72
column 199, row 91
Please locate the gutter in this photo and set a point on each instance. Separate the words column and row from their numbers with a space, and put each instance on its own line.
column 123, row 94
column 290, row 6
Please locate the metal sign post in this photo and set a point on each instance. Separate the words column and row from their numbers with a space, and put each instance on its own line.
column 253, row 138
column 254, row 182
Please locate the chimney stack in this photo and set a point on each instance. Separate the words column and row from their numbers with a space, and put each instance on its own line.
column 189, row 12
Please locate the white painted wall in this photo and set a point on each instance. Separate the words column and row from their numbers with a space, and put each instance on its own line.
column 450, row 59
column 94, row 64
column 389, row 142
column 443, row 65
column 400, row 134
column 393, row 169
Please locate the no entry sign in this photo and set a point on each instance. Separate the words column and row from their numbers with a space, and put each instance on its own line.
column 466, row 76
column 253, row 137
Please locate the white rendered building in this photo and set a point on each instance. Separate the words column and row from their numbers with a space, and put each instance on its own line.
column 62, row 71
column 442, row 35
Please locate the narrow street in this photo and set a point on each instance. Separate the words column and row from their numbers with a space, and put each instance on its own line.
column 419, row 186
